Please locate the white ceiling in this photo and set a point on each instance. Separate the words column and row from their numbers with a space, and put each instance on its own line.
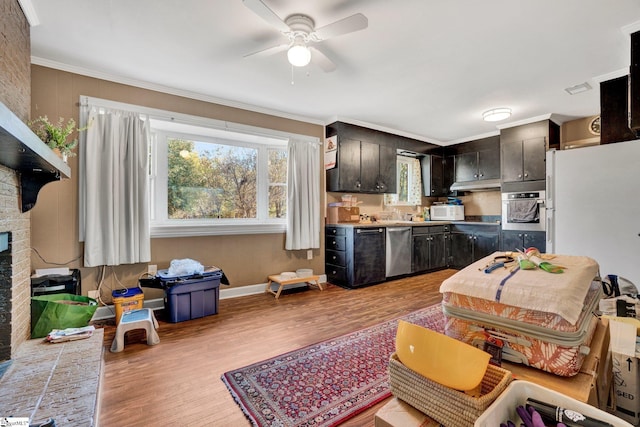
column 423, row 68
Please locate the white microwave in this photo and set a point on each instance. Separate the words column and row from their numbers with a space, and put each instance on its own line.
column 447, row 213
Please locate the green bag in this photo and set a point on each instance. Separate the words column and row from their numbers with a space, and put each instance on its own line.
column 58, row 311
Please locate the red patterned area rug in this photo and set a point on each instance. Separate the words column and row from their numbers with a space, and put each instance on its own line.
column 323, row 384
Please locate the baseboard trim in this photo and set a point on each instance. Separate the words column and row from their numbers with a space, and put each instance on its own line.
column 109, row 311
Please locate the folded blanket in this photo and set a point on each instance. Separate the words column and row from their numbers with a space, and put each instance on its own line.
column 561, row 294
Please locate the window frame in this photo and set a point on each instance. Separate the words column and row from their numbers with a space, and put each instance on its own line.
column 410, row 166
column 162, row 226
column 248, row 132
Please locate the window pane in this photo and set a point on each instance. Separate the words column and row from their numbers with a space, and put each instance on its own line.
column 277, row 183
column 403, row 181
column 209, row 180
column 277, row 166
column 277, row 201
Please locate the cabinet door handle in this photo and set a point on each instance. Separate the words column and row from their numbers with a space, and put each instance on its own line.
column 358, row 184
column 333, row 242
column 334, row 231
column 481, row 175
column 526, row 175
column 475, row 175
column 520, row 175
column 335, row 257
column 520, row 235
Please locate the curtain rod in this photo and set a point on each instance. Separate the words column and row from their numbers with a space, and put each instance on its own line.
column 155, row 113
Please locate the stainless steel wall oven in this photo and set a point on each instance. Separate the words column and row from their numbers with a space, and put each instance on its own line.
column 524, row 211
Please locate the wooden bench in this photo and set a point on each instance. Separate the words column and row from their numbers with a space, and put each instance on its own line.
column 282, row 282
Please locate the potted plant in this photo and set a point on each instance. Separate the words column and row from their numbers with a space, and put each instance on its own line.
column 56, row 135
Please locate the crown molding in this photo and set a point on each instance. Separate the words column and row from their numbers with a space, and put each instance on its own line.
column 29, row 11
column 169, row 90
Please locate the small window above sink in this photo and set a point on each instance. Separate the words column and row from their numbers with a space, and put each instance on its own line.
column 408, row 181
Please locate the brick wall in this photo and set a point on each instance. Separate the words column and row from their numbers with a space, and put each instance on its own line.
column 15, row 93
column 15, row 59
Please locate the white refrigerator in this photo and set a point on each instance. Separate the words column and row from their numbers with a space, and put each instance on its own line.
column 593, row 206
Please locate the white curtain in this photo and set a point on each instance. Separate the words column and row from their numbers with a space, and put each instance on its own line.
column 114, row 198
column 414, row 192
column 303, row 199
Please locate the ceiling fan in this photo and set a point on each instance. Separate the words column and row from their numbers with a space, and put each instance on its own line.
column 302, row 35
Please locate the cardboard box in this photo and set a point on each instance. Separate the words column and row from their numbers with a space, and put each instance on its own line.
column 598, row 364
column 625, row 370
column 340, row 214
column 397, row 413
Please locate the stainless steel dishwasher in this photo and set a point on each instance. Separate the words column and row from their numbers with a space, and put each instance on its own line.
column 398, row 258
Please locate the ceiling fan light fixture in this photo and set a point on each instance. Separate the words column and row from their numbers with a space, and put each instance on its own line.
column 496, row 114
column 299, row 55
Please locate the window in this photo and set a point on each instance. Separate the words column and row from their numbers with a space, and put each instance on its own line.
column 409, row 183
column 212, row 177
column 208, row 181
column 403, row 179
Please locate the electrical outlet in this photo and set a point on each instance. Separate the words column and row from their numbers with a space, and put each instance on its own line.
column 310, row 254
column 152, row 269
column 94, row 294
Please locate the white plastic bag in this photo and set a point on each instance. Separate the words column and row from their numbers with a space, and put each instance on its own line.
column 184, row 267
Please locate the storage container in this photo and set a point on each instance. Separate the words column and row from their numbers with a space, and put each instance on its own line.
column 191, row 298
column 450, row 407
column 504, row 407
column 57, row 284
column 127, row 300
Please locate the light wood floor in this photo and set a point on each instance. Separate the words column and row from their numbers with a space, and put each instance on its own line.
column 177, row 382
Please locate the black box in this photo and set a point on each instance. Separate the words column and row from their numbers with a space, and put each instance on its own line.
column 57, row 284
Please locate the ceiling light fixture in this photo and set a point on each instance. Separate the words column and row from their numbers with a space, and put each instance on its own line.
column 299, row 54
column 496, row 114
column 582, row 87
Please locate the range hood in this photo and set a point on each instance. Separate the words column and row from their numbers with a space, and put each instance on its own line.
column 480, row 185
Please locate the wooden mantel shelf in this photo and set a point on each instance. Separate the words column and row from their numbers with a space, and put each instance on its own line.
column 22, row 151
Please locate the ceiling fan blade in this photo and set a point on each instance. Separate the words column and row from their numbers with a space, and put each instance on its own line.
column 349, row 24
column 322, row 60
column 263, row 11
column 268, row 51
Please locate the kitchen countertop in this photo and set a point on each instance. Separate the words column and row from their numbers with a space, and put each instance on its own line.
column 400, row 223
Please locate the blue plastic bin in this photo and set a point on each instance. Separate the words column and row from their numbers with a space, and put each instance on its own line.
column 187, row 299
